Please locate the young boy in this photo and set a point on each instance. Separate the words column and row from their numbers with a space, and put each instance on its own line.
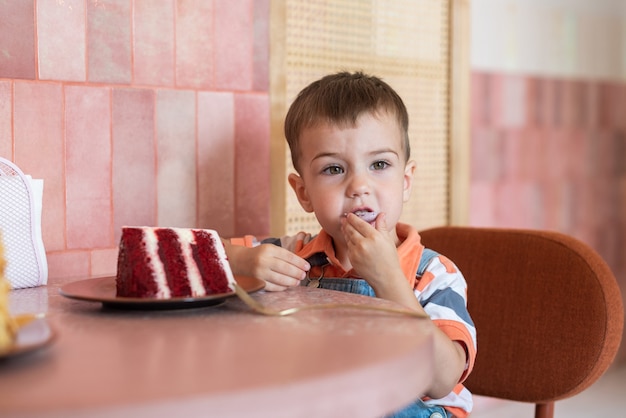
column 348, row 136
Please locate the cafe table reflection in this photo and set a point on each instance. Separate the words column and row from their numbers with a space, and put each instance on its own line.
column 222, row 360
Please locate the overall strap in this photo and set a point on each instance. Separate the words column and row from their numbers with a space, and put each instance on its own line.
column 427, row 255
column 359, row 286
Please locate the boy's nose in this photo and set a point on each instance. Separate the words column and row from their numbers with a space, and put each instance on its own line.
column 358, row 186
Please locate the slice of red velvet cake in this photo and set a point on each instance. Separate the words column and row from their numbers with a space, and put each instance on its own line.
column 164, row 263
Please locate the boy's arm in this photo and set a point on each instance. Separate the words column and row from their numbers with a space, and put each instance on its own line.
column 450, row 358
column 449, row 364
column 443, row 290
column 375, row 258
column 277, row 266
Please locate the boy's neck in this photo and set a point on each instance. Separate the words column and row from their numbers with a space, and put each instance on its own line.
column 341, row 253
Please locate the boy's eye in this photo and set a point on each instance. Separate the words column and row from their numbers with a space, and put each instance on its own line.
column 333, row 169
column 380, row 165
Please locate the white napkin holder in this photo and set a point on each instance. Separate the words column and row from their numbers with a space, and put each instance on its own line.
column 20, row 227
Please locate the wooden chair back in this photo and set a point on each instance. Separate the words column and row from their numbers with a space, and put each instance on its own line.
column 547, row 309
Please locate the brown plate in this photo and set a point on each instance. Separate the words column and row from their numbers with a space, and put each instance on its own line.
column 103, row 290
column 31, row 336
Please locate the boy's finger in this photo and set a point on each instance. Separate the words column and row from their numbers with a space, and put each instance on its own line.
column 289, row 271
column 381, row 222
column 358, row 224
column 292, row 259
column 280, row 280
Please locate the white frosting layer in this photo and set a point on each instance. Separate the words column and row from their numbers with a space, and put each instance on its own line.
column 221, row 253
column 186, row 239
column 152, row 249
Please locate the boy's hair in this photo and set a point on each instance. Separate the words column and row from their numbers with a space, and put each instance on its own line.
column 340, row 99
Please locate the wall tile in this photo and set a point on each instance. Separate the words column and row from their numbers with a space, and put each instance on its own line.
column 61, row 39
column 17, row 40
column 604, row 103
column 555, row 197
column 532, row 158
column 614, row 155
column 485, row 153
column 600, row 158
column 88, row 162
column 176, row 156
column 584, row 112
column 68, row 266
column 617, row 106
column 103, row 262
column 493, row 93
column 252, row 164
column 513, row 205
column 621, row 199
column 109, row 41
column 572, row 104
column 591, row 97
column 194, row 43
column 6, row 124
column 533, row 97
column 566, row 207
column 555, row 165
column 535, row 206
column 39, row 151
column 507, row 155
column 546, row 103
column 619, row 151
column 216, row 162
column 261, row 55
column 557, row 114
column 610, row 245
column 134, row 159
column 583, row 208
column 605, row 200
column 153, row 42
column 589, row 160
column 574, row 141
column 480, row 100
column 482, row 203
column 234, row 44
column 512, row 101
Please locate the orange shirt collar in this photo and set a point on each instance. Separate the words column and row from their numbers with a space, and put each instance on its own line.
column 409, row 250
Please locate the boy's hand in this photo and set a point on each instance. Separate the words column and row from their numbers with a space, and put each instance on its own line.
column 374, row 257
column 280, row 268
column 372, row 251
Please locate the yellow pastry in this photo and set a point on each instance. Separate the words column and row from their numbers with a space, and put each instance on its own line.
column 8, row 326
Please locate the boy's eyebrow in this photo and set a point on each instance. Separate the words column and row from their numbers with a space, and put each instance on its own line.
column 374, row 152
column 323, row 155
column 384, row 151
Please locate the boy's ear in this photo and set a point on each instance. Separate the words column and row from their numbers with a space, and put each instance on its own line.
column 297, row 184
column 409, row 171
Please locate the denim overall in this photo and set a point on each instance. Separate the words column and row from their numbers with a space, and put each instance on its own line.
column 417, row 409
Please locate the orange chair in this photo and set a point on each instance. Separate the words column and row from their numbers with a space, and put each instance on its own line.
column 547, row 309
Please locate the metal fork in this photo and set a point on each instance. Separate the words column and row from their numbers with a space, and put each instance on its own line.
column 260, row 308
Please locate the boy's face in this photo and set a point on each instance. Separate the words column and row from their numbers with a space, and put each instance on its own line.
column 358, row 169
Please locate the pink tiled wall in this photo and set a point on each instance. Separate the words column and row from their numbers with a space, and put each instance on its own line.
column 550, row 153
column 136, row 112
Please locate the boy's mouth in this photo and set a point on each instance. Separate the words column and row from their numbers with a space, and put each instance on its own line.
column 366, row 215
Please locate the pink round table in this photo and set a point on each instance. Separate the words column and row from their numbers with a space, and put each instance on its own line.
column 222, row 361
